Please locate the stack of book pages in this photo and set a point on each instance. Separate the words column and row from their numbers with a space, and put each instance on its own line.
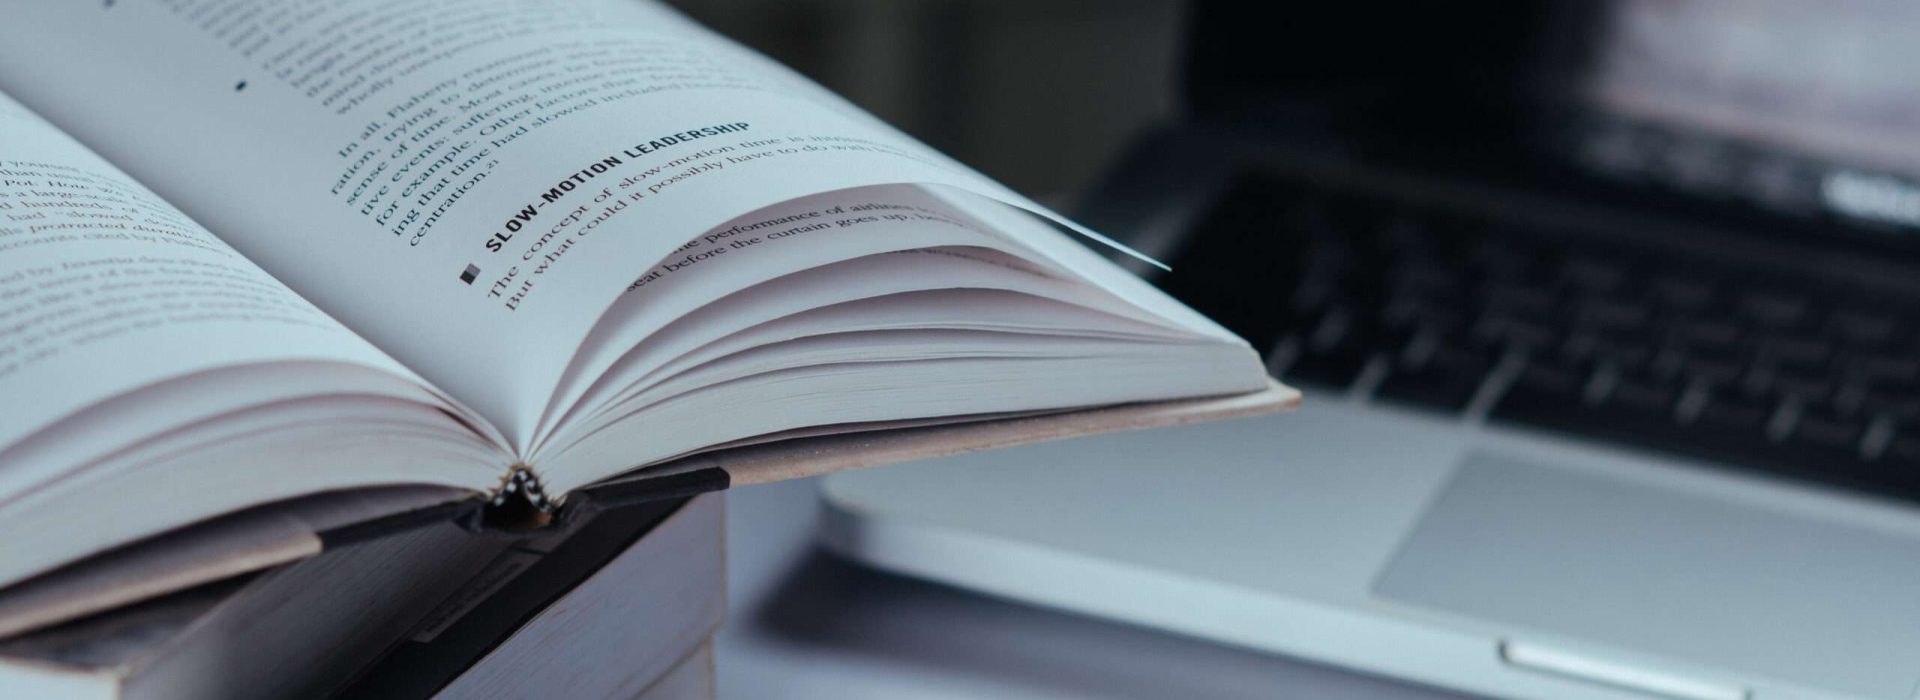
column 623, row 605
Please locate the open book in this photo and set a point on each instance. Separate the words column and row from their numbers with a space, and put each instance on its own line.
column 256, row 250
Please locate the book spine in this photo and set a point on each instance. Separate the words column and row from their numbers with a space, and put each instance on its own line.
column 519, row 503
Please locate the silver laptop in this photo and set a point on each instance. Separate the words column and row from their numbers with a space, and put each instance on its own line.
column 1606, row 315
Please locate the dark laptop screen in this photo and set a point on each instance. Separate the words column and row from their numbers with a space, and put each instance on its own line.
column 1797, row 105
column 1781, row 106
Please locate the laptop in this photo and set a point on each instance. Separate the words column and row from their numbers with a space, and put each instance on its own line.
column 1606, row 317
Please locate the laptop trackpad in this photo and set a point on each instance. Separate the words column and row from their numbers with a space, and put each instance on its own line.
column 1664, row 574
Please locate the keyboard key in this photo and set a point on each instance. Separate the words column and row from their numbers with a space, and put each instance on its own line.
column 1500, row 259
column 1411, row 314
column 1887, row 367
column 1434, row 390
column 1683, row 292
column 1827, row 431
column 1796, row 351
column 1705, row 333
column 1516, row 331
column 1428, row 277
column 1445, row 377
column 1329, row 369
column 1903, row 451
column 1777, row 309
column 1640, row 393
column 1551, row 377
column 1900, row 402
column 1622, row 350
column 1895, row 468
column 1714, row 368
column 1519, row 299
column 1815, row 387
column 1864, row 327
column 1612, row 315
column 1735, row 413
column 1598, row 275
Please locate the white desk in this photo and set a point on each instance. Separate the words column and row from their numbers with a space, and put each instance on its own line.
column 807, row 626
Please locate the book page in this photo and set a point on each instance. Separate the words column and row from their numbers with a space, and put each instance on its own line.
column 467, row 183
column 104, row 289
column 773, row 243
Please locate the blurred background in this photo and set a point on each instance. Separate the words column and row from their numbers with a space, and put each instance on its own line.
column 1036, row 94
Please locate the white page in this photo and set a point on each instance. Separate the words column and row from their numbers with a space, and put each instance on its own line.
column 56, row 454
column 501, row 132
column 777, row 241
column 847, row 330
column 105, row 289
column 948, row 292
column 292, row 461
column 952, row 309
column 355, row 416
column 878, row 348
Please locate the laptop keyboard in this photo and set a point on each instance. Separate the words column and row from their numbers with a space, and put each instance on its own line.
column 1468, row 316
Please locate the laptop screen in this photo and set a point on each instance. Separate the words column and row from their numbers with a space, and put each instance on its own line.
column 1806, row 107
column 1778, row 107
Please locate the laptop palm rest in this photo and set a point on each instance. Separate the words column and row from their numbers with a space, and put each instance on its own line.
column 1551, row 554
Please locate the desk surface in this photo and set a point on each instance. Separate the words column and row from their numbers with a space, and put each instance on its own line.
column 804, row 626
